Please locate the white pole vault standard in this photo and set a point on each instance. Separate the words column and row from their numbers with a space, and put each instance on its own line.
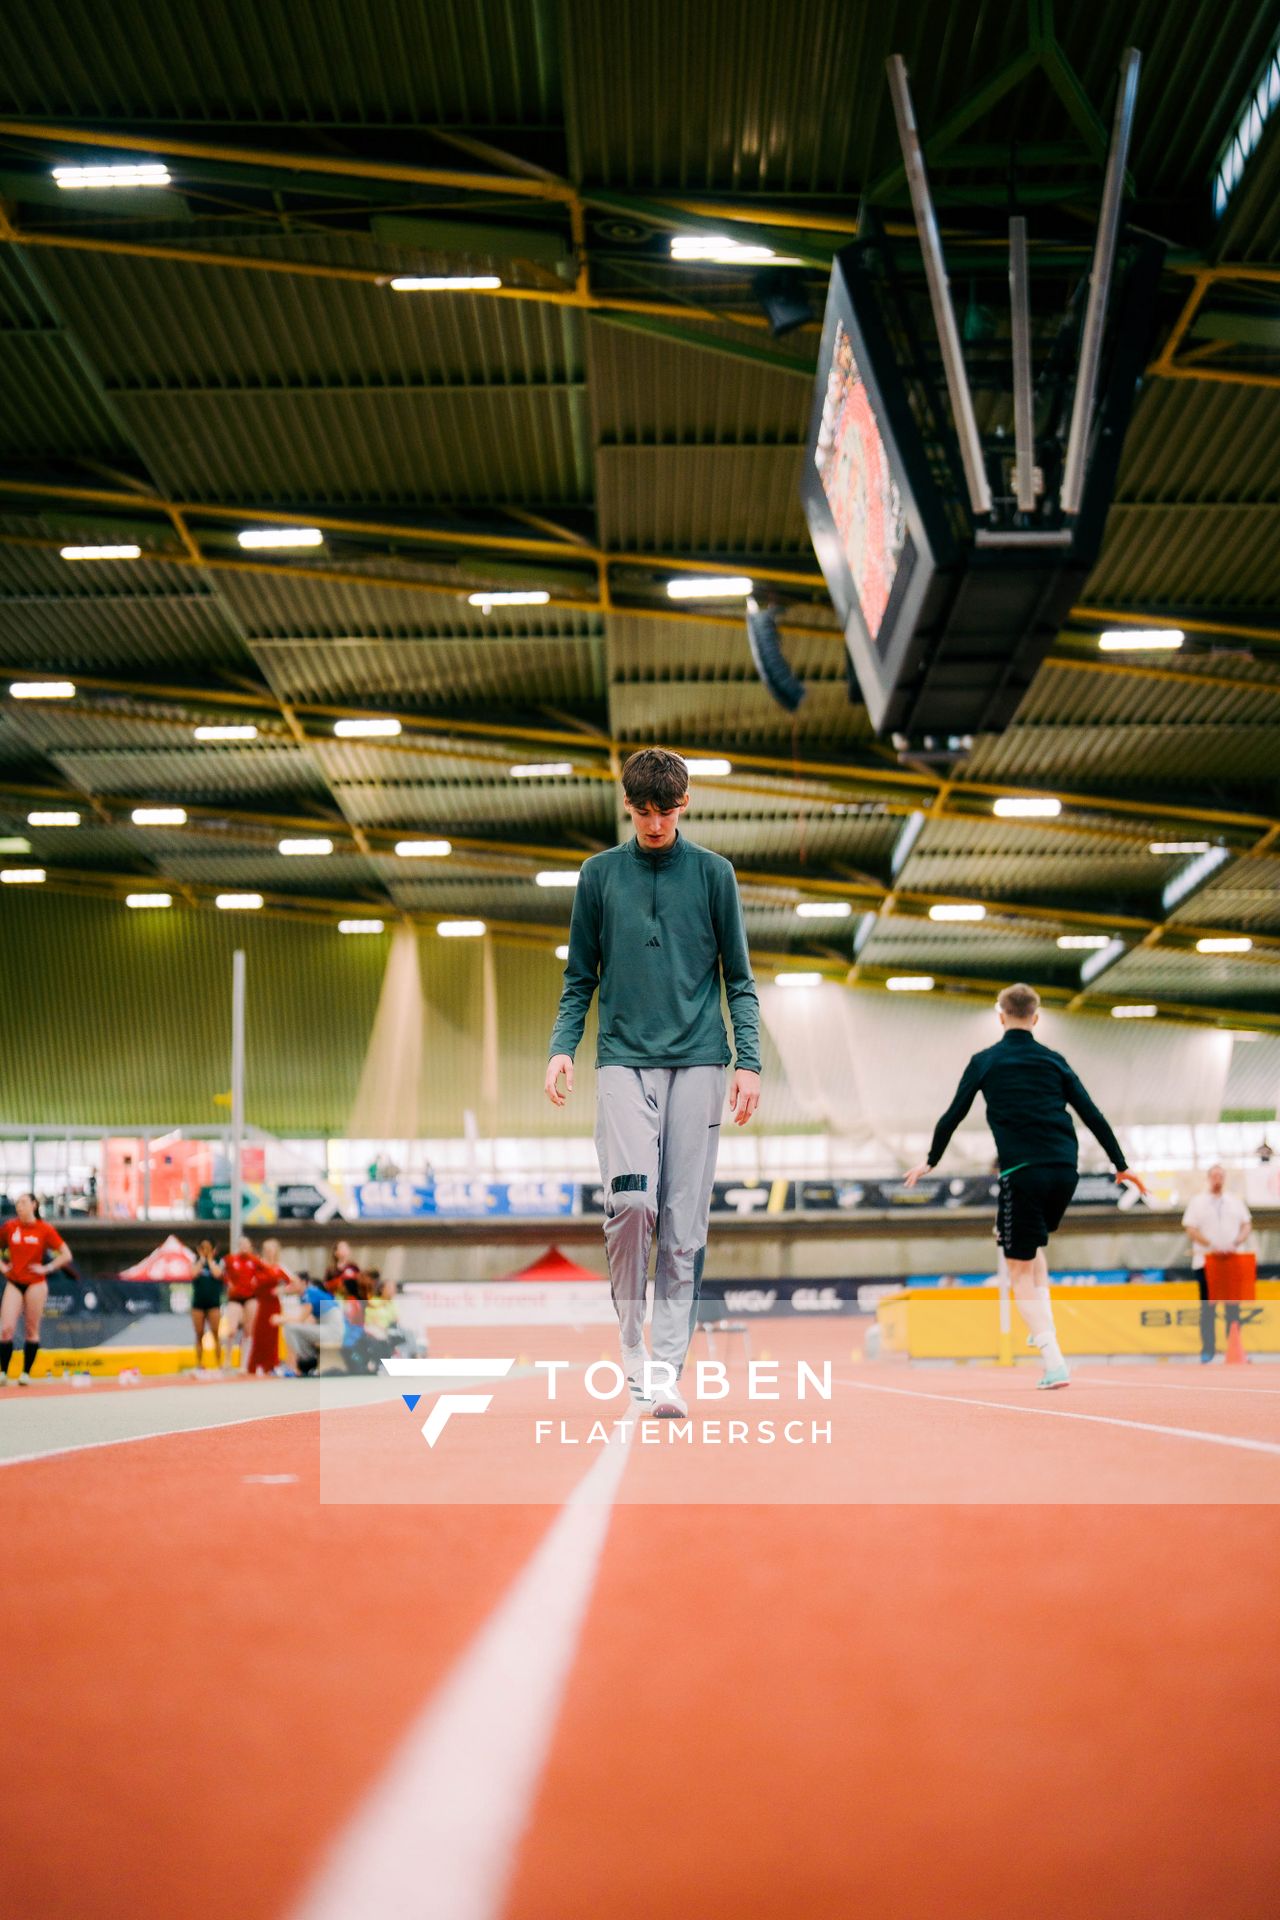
column 438, row 1836
column 237, row 1096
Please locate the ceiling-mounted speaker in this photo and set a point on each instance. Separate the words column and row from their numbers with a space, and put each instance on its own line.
column 770, row 661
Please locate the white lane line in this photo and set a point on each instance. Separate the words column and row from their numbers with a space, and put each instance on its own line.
column 1062, row 1413
column 1175, row 1386
column 438, row 1835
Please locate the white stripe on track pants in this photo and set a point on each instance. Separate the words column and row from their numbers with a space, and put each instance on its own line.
column 657, row 1135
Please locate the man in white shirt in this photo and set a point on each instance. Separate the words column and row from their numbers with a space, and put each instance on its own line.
column 1215, row 1222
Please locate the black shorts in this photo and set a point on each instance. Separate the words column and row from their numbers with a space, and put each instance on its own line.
column 21, row 1285
column 1031, row 1205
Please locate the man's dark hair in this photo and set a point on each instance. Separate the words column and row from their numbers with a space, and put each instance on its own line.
column 654, row 775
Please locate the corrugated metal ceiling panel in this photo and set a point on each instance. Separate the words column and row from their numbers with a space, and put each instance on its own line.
column 685, row 714
column 482, row 811
column 432, row 672
column 180, row 774
column 272, row 607
column 648, row 392
column 1201, row 690
column 160, row 325
column 1191, row 555
column 1193, row 440
column 441, row 448
column 1163, row 973
column 700, row 499
column 61, row 615
column 690, row 649
column 1119, row 755
column 1247, row 896
column 360, row 62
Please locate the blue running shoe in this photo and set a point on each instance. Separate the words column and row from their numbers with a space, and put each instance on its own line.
column 1054, row 1377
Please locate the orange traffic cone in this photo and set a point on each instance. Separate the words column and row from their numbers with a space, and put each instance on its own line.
column 1236, row 1355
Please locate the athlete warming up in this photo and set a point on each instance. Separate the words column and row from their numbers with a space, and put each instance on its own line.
column 1028, row 1089
column 655, row 923
column 31, row 1250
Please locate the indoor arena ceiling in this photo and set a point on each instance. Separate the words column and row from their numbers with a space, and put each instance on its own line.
column 225, row 351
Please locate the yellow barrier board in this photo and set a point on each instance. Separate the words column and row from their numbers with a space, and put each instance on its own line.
column 964, row 1324
column 105, row 1362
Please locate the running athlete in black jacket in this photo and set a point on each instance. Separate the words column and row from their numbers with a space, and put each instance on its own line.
column 1028, row 1089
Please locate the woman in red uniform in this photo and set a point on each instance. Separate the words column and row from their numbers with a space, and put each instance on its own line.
column 242, row 1271
column 264, row 1345
column 31, row 1250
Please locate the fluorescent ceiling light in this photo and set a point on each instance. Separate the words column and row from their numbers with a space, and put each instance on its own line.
column 14, row 843
column 21, row 876
column 316, row 848
column 721, row 250
column 460, row 929
column 540, row 769
column 798, row 979
column 708, row 769
column 360, row 926
column 53, row 819
column 366, row 729
column 562, row 953
column 1141, row 639
column 710, row 586
column 1134, row 1013
column 1033, row 807
column 1189, row 879
column 43, row 690
column 239, row 902
column 532, row 598
column 124, row 550
column 1260, row 104
column 824, row 909
column 1179, row 846
column 281, row 537
column 423, row 849
column 567, row 878
column 226, row 733
column 1098, row 962
column 159, row 816
column 1236, row 944
column 1241, row 1033
column 1084, row 942
column 910, row 983
column 445, row 283
column 142, row 901
column 144, row 173
column 958, row 911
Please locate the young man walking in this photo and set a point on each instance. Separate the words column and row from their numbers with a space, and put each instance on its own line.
column 1027, row 1089
column 656, row 923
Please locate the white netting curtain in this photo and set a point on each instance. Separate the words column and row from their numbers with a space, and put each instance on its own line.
column 386, row 1106
column 879, row 1069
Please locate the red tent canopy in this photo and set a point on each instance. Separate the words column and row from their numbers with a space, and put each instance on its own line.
column 552, row 1265
column 171, row 1260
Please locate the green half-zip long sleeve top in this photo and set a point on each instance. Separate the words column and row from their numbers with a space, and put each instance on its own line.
column 654, row 931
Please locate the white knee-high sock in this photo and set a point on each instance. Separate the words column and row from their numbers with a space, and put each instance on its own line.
column 1037, row 1311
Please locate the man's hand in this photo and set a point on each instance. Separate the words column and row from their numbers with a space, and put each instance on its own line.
column 916, row 1173
column 744, row 1095
column 558, row 1064
column 1130, row 1179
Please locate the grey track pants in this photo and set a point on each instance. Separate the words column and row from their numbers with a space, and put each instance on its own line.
column 657, row 1135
